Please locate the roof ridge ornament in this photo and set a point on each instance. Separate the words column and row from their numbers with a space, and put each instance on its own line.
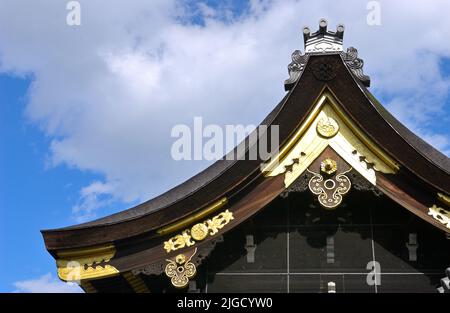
column 324, row 41
column 355, row 65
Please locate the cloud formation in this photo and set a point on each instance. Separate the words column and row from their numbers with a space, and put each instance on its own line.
column 45, row 284
column 108, row 92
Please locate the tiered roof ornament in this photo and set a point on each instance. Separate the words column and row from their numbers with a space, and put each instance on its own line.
column 324, row 41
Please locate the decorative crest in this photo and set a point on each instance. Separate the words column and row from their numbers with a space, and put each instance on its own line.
column 330, row 185
column 181, row 269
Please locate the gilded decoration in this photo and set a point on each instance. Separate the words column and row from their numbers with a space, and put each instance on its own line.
column 219, row 221
column 198, row 232
column 202, row 253
column 180, row 270
column 441, row 215
column 327, row 127
column 444, row 198
column 179, row 241
column 180, row 259
column 82, row 264
column 329, row 187
column 328, row 166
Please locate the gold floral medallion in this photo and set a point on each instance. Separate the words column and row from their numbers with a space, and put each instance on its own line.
column 327, row 127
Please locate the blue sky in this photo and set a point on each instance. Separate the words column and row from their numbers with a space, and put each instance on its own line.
column 86, row 113
column 31, row 195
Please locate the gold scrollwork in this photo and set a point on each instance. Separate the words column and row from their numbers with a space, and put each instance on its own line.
column 180, row 271
column 198, row 232
column 219, row 221
column 330, row 191
column 441, row 215
column 178, row 242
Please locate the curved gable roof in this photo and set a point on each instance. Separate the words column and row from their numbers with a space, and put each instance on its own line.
column 228, row 178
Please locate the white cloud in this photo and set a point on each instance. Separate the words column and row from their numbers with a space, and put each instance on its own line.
column 109, row 91
column 92, row 197
column 46, row 284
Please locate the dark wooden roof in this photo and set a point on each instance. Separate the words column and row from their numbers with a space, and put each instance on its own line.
column 228, row 178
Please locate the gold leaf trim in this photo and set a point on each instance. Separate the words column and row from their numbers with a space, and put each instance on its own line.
column 444, row 198
column 81, row 264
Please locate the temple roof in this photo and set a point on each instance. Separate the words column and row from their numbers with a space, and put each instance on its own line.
column 324, row 70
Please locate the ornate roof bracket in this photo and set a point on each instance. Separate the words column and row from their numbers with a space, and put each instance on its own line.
column 324, row 41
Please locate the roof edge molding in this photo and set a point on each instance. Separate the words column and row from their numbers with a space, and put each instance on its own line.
column 325, row 42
